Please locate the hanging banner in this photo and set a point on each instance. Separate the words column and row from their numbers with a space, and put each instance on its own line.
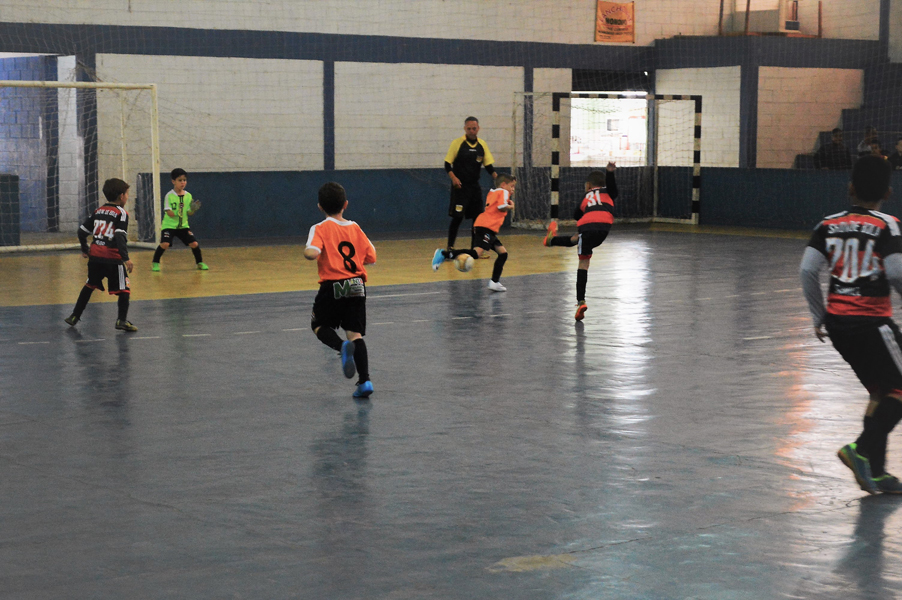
column 614, row 22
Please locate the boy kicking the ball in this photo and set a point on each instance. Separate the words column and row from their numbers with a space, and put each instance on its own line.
column 485, row 230
column 341, row 249
column 594, row 218
column 178, row 206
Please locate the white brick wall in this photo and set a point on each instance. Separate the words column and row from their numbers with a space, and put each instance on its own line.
column 795, row 104
column 559, row 21
column 391, row 116
column 230, row 114
column 719, row 89
column 842, row 19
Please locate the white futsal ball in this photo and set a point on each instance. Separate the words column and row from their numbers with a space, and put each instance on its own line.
column 463, row 262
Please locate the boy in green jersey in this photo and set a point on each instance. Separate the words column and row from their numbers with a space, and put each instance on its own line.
column 178, row 206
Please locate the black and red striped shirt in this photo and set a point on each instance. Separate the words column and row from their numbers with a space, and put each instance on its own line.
column 109, row 228
column 855, row 242
column 596, row 211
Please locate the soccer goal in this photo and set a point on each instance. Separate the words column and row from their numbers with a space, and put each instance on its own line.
column 59, row 141
column 654, row 139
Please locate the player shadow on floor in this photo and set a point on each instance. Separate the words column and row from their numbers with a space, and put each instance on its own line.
column 863, row 566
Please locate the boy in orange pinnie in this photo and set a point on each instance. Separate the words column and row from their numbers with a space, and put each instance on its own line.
column 341, row 250
column 498, row 203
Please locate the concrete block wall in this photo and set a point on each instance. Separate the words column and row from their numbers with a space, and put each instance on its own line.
column 557, row 21
column 842, row 20
column 795, row 104
column 719, row 88
column 222, row 114
column 405, row 115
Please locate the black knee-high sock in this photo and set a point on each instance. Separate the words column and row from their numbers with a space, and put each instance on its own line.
column 562, row 240
column 452, row 230
column 123, row 306
column 361, row 360
column 872, row 441
column 158, row 254
column 499, row 266
column 456, row 253
column 82, row 301
column 582, row 278
column 197, row 256
column 329, row 337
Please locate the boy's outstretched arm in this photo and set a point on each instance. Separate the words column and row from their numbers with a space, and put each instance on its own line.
column 892, row 265
column 813, row 262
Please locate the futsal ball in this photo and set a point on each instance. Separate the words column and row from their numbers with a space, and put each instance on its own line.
column 463, row 262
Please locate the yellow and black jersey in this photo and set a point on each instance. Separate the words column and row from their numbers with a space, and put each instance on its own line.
column 466, row 158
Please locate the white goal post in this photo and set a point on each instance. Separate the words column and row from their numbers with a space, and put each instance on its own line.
column 655, row 140
column 59, row 141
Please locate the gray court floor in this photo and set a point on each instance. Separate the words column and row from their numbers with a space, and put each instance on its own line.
column 678, row 444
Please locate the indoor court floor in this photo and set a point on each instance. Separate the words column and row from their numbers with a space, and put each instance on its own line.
column 679, row 443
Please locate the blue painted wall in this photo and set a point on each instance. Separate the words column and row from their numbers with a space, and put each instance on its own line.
column 284, row 203
column 22, row 150
column 778, row 198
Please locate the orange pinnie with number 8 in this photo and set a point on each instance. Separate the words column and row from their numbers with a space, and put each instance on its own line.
column 341, row 251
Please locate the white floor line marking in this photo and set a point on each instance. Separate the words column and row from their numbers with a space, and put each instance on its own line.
column 197, row 334
column 148, row 337
column 90, row 341
column 461, row 317
column 385, row 323
column 244, row 332
column 399, row 295
column 784, row 291
column 420, row 321
column 31, row 343
column 501, row 315
column 295, row 329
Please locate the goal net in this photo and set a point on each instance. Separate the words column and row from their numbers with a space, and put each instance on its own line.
column 59, row 141
column 655, row 141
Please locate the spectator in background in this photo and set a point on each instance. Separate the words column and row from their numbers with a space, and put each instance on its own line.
column 877, row 149
column 835, row 155
column 895, row 158
column 870, row 136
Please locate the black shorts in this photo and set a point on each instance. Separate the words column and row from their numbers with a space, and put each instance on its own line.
column 466, row 201
column 872, row 347
column 114, row 273
column 340, row 304
column 589, row 240
column 485, row 238
column 183, row 234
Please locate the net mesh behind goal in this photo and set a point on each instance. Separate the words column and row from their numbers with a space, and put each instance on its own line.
column 59, row 141
column 655, row 141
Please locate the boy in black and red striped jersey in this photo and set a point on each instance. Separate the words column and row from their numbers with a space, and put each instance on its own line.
column 594, row 218
column 498, row 203
column 108, row 254
column 862, row 250
column 341, row 250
